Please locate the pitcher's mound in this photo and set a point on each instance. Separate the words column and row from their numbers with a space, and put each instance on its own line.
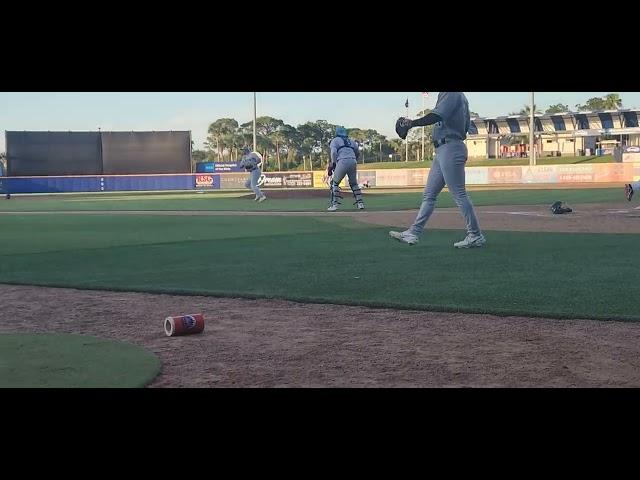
column 53, row 360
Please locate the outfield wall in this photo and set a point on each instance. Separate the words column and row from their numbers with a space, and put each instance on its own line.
column 97, row 153
column 549, row 174
column 392, row 178
column 542, row 174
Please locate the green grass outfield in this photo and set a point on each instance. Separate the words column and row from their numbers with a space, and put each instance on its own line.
column 318, row 259
column 494, row 162
column 223, row 201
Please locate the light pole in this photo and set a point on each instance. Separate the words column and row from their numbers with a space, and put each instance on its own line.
column 255, row 143
column 532, row 154
column 424, row 94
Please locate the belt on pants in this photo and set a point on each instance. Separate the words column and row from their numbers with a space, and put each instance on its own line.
column 439, row 143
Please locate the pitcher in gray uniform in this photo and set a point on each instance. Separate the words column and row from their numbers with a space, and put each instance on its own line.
column 344, row 161
column 451, row 117
column 252, row 163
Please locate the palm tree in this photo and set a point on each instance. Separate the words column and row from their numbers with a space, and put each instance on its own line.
column 291, row 140
column 382, row 144
column 278, row 137
column 219, row 131
column 398, row 146
column 526, row 110
column 244, row 136
column 307, row 146
column 557, row 108
column 612, row 101
column 264, row 145
column 360, row 136
column 237, row 140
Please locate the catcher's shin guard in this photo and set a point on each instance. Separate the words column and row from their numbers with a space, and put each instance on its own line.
column 336, row 194
column 357, row 193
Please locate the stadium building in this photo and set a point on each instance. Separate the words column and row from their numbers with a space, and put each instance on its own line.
column 570, row 134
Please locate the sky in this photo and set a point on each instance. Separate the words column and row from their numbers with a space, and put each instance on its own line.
column 144, row 111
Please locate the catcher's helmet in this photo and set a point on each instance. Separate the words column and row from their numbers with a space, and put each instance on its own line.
column 246, row 151
column 341, row 132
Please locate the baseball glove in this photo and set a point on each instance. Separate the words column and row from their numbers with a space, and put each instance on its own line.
column 248, row 164
column 403, row 125
column 559, row 208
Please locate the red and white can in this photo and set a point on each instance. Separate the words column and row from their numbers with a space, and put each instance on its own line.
column 184, row 325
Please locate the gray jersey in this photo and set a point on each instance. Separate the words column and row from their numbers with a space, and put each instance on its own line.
column 344, row 153
column 251, row 161
column 453, row 108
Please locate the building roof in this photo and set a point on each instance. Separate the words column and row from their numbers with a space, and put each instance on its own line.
column 586, row 123
column 562, row 114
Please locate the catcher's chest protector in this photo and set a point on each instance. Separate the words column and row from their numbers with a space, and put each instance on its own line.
column 347, row 143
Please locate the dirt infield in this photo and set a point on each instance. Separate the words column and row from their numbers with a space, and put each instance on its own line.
column 586, row 218
column 302, row 193
column 263, row 343
column 292, row 194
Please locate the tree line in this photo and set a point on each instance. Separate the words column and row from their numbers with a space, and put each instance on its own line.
column 285, row 147
column 612, row 101
column 306, row 146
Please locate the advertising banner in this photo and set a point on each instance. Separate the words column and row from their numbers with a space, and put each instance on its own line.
column 505, row 174
column 207, row 181
column 540, row 174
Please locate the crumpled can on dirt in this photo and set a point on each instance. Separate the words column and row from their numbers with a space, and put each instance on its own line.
column 184, row 325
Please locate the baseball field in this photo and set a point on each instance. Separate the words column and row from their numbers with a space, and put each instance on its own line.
column 296, row 296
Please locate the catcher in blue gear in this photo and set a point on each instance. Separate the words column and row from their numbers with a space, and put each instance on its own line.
column 344, row 161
